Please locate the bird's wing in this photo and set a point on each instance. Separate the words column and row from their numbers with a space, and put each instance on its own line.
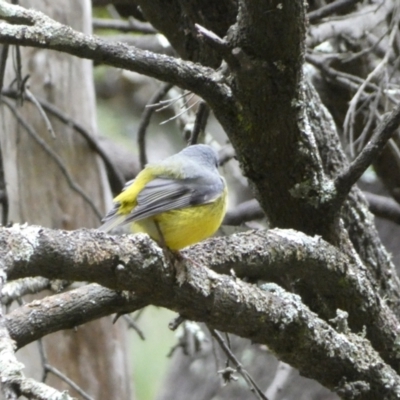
column 161, row 195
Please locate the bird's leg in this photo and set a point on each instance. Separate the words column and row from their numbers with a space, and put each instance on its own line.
column 173, row 256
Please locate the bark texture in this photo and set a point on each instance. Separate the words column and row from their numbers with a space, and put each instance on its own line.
column 38, row 192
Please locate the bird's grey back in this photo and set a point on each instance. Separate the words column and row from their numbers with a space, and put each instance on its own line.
column 194, row 161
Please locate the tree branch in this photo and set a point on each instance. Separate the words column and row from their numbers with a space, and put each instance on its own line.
column 331, row 8
column 115, row 176
column 352, row 174
column 43, row 32
column 383, row 206
column 279, row 320
column 67, row 311
column 13, row 382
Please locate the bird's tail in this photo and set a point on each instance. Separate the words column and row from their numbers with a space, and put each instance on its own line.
column 112, row 223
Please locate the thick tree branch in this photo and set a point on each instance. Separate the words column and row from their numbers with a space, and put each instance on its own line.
column 43, row 32
column 67, row 310
column 281, row 321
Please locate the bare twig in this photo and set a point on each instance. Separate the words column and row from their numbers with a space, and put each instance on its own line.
column 348, row 81
column 373, row 106
column 164, row 104
column 384, row 207
column 53, row 155
column 49, row 368
column 239, row 368
column 46, row 120
column 200, row 123
column 3, row 192
column 350, row 176
column 3, row 61
column 18, row 72
column 133, row 325
column 281, row 377
column 186, row 109
column 145, row 120
column 70, row 382
column 131, row 25
column 16, row 289
column 222, row 46
column 176, row 322
column 348, row 123
column 116, row 178
column 331, row 8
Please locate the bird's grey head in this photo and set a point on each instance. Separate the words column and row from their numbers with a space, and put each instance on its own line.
column 202, row 154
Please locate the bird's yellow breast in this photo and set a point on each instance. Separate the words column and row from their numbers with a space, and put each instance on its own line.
column 186, row 226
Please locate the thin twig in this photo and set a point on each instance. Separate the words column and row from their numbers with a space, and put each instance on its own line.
column 49, row 368
column 176, row 322
column 145, row 120
column 68, row 381
column 179, row 114
column 3, row 61
column 116, row 178
column 29, row 95
column 239, row 368
column 14, row 290
column 43, row 359
column 124, row 26
column 348, row 81
column 132, row 325
column 351, row 112
column 350, row 176
column 163, row 104
column 18, row 71
column 222, row 46
column 371, row 119
column 383, row 207
column 57, row 159
column 3, row 193
column 329, row 9
column 200, row 123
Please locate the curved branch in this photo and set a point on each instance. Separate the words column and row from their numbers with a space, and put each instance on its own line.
column 278, row 319
column 66, row 311
column 38, row 30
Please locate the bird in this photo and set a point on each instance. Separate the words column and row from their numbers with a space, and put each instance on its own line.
column 178, row 201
